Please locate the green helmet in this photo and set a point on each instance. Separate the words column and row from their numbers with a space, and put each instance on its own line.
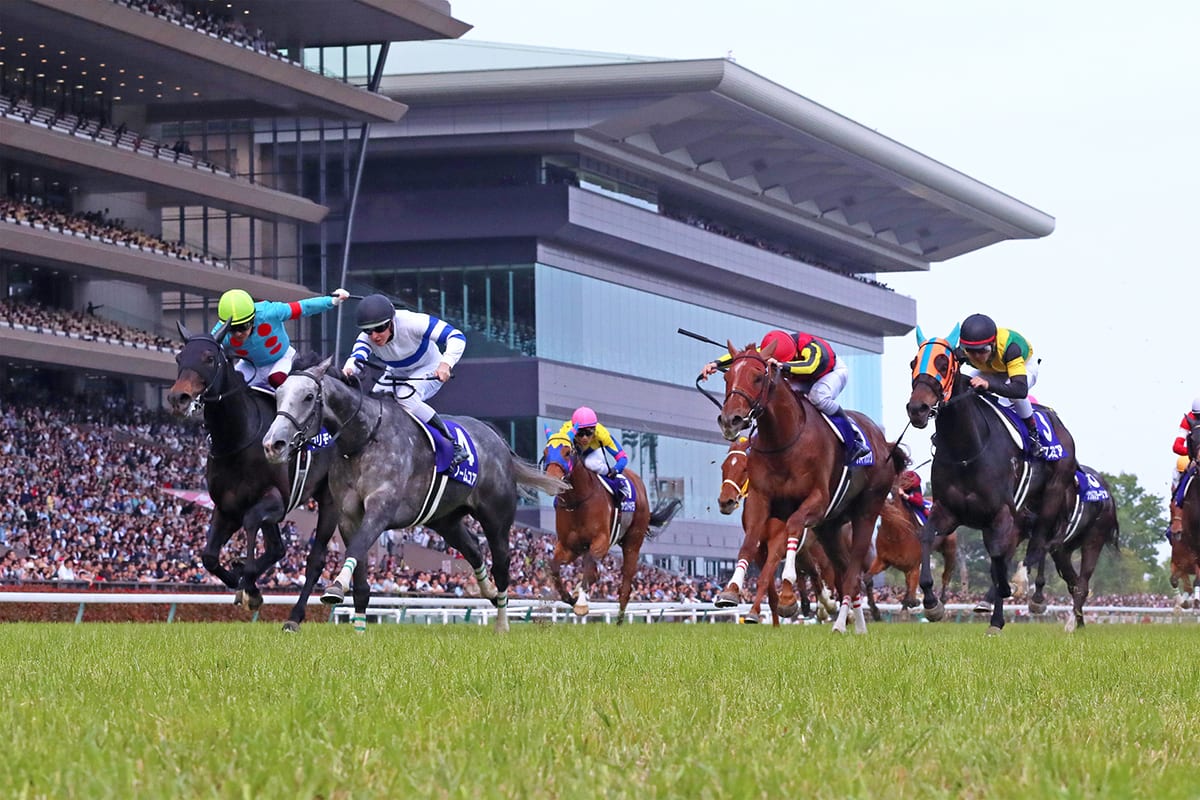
column 236, row 307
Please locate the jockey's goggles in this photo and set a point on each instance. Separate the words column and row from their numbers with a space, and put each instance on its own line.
column 243, row 328
column 585, row 432
column 380, row 328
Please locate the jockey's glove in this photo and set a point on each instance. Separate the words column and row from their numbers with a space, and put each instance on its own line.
column 339, row 295
column 352, row 366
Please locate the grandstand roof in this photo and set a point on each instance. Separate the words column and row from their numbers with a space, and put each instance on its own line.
column 178, row 74
column 739, row 137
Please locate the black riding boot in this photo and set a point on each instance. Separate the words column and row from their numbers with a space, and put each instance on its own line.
column 1035, row 441
column 460, row 454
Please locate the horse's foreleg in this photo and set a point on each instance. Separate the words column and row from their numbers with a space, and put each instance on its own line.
column 587, row 576
column 949, row 551
column 373, row 521
column 561, row 556
column 362, row 596
column 1000, row 541
column 939, row 520
column 314, row 564
column 457, row 536
column 220, row 529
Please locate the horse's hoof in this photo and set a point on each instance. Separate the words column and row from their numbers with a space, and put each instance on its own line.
column 789, row 611
column 581, row 610
column 993, row 630
column 839, row 626
column 726, row 599
column 239, row 598
column 1037, row 608
column 822, row 614
column 254, row 601
column 291, row 627
column 877, row 615
column 751, row 619
column 487, row 589
column 982, row 607
column 1071, row 622
column 333, row 594
column 936, row 613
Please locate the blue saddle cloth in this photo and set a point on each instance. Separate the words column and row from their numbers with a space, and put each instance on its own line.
column 623, row 488
column 1090, row 489
column 1053, row 447
column 848, row 430
column 467, row 471
column 1181, row 490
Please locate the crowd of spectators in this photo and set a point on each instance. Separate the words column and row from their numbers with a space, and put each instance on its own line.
column 94, row 225
column 205, row 19
column 83, row 502
column 84, row 324
column 83, row 126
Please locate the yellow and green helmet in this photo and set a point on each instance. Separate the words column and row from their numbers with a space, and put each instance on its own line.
column 236, row 307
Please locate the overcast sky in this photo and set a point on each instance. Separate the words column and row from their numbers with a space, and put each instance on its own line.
column 1084, row 110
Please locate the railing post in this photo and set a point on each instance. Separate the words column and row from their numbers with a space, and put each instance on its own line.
column 171, row 613
column 79, row 614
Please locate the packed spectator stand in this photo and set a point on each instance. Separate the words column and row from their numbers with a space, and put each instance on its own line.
column 83, row 504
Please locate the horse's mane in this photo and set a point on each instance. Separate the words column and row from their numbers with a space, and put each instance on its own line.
column 894, row 515
column 306, row 360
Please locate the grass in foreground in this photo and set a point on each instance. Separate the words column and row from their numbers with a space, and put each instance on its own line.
column 645, row 711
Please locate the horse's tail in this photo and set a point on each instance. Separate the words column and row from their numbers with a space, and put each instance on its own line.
column 527, row 474
column 661, row 516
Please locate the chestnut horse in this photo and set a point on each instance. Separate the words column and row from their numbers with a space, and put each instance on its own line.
column 981, row 476
column 799, row 476
column 1185, row 570
column 812, row 563
column 589, row 524
column 898, row 545
column 1190, row 506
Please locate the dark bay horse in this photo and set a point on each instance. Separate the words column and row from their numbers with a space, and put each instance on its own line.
column 588, row 524
column 385, row 478
column 898, row 545
column 811, row 562
column 799, row 476
column 1089, row 524
column 247, row 491
column 981, row 475
column 1189, row 546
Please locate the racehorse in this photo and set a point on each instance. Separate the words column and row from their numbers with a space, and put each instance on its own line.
column 589, row 523
column 1189, row 504
column 898, row 545
column 247, row 491
column 812, row 563
column 387, row 478
column 799, row 475
column 981, row 475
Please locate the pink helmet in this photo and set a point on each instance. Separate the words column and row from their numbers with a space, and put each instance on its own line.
column 584, row 417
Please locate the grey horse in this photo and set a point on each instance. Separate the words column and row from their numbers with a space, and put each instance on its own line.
column 386, row 479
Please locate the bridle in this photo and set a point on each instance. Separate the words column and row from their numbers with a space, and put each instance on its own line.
column 568, row 466
column 943, row 384
column 744, row 488
column 308, row 427
column 221, row 368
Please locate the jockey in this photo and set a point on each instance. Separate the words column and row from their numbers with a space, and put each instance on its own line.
column 257, row 335
column 1181, row 466
column 412, row 344
column 1000, row 361
column 594, row 443
column 809, row 361
column 909, row 490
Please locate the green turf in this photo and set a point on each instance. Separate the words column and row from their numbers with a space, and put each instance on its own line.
column 566, row 711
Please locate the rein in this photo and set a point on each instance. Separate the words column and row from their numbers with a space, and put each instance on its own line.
column 575, row 462
column 318, row 412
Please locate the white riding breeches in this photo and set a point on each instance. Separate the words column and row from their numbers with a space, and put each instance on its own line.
column 257, row 376
column 1023, row 407
column 412, row 395
column 596, row 461
column 825, row 390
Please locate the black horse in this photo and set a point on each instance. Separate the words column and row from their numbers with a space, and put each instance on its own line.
column 981, row 475
column 247, row 490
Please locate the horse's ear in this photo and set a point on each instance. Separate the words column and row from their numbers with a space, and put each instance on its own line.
column 953, row 337
column 320, row 369
column 769, row 350
column 732, row 350
column 183, row 331
column 920, row 336
column 221, row 331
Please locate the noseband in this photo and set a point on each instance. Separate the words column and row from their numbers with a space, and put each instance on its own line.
column 758, row 405
column 312, row 420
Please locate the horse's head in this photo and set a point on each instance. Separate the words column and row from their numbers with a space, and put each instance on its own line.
column 1193, row 439
column 202, row 363
column 299, row 409
column 748, row 381
column 934, row 370
column 557, row 457
column 735, row 475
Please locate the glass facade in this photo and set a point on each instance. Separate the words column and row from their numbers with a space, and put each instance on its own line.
column 594, row 323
